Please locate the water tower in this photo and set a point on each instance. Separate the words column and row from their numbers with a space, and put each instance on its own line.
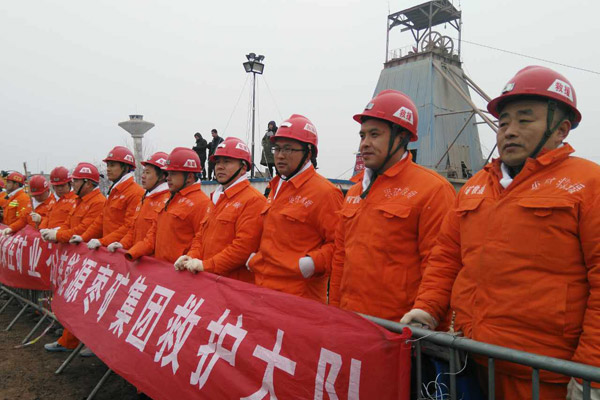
column 136, row 126
column 429, row 70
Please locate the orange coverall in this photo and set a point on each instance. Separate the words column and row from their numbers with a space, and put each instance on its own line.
column 42, row 209
column 383, row 242
column 146, row 213
column 231, row 232
column 80, row 218
column 88, row 208
column 118, row 214
column 519, row 266
column 15, row 206
column 299, row 221
column 172, row 233
column 59, row 211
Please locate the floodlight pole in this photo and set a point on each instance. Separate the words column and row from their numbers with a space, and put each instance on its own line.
column 255, row 66
column 253, row 122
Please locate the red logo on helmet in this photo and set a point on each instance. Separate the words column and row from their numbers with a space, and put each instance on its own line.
column 562, row 88
column 404, row 114
column 161, row 161
column 242, row 147
column 85, row 170
column 311, row 128
column 190, row 163
column 128, row 157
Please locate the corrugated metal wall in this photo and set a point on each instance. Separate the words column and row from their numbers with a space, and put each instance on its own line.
column 433, row 95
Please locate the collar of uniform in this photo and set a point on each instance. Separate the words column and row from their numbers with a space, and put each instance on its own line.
column 546, row 157
column 123, row 183
column 15, row 192
column 163, row 187
column 91, row 194
column 187, row 190
column 303, row 176
column 48, row 200
column 237, row 187
column 68, row 196
column 400, row 165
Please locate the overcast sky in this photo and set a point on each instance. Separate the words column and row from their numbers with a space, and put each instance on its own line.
column 71, row 70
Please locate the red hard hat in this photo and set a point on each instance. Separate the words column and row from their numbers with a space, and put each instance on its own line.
column 85, row 170
column 538, row 81
column 395, row 107
column 158, row 159
column 38, row 185
column 16, row 177
column 59, row 176
column 300, row 128
column 184, row 160
column 234, row 148
column 121, row 154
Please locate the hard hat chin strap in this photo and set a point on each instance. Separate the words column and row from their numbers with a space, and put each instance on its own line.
column 81, row 187
column 124, row 172
column 395, row 130
column 234, row 176
column 185, row 178
column 300, row 165
column 552, row 106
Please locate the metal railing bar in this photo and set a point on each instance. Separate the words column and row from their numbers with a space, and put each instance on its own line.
column 563, row 367
column 452, row 363
column 15, row 319
column 587, row 390
column 30, row 334
column 535, row 384
column 491, row 379
column 10, row 299
column 69, row 359
column 419, row 369
column 99, row 384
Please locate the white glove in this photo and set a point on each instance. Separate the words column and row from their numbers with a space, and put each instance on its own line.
column 35, row 217
column 307, row 266
column 76, row 239
column 248, row 261
column 93, row 244
column 575, row 391
column 180, row 263
column 114, row 246
column 194, row 265
column 49, row 235
column 419, row 318
column 6, row 231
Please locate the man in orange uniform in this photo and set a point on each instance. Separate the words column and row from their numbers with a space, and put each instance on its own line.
column 90, row 202
column 67, row 200
column 154, row 181
column 231, row 230
column 16, row 202
column 296, row 247
column 43, row 200
column 517, row 259
column 123, row 198
column 89, row 205
column 390, row 218
column 179, row 220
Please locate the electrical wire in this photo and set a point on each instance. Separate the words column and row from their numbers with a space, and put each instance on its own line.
column 531, row 57
column 273, row 97
column 235, row 107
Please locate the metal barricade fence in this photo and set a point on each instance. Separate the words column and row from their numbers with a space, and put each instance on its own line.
column 27, row 299
column 30, row 299
column 454, row 343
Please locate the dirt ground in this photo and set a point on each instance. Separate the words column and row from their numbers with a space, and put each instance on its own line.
column 28, row 373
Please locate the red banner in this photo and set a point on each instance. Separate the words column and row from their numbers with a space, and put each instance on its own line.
column 176, row 335
column 23, row 260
